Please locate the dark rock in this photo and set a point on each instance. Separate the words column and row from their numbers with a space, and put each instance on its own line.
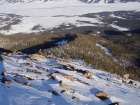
column 4, row 73
column 102, row 95
column 53, row 92
column 88, row 74
column 64, row 92
column 130, row 82
column 75, row 98
column 6, row 81
column 115, row 103
column 52, row 76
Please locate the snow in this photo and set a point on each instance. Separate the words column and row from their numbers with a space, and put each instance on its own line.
column 119, row 17
column 119, row 28
column 52, row 14
column 37, row 94
column 62, row 42
column 104, row 48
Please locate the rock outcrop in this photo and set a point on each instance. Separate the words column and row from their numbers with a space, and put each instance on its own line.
column 126, row 76
column 54, row 92
column 63, row 85
column 52, row 75
column 68, row 77
column 4, row 73
column 102, row 95
column 33, row 56
column 88, row 74
column 5, row 80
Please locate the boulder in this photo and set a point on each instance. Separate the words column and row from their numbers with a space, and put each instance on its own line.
column 130, row 82
column 63, row 85
column 126, row 76
column 68, row 77
column 23, row 83
column 4, row 53
column 10, row 54
column 29, row 70
column 102, row 95
column 54, row 92
column 4, row 73
column 136, row 86
column 75, row 98
column 52, row 75
column 5, row 80
column 88, row 74
column 25, row 55
column 65, row 67
column 64, row 92
column 58, row 60
column 81, row 81
column 37, row 56
column 116, row 82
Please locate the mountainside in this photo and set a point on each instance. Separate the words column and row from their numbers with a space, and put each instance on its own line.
column 35, row 80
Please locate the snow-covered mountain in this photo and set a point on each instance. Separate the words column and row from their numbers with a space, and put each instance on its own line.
column 35, row 80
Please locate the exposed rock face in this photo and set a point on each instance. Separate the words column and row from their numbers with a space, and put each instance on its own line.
column 38, row 56
column 102, row 95
column 38, row 72
column 81, row 81
column 4, row 73
column 68, row 77
column 68, row 67
column 63, row 85
column 52, row 76
column 126, row 76
column 88, row 74
column 23, row 83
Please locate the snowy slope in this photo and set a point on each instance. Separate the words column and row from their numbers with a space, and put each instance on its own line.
column 51, row 14
column 37, row 93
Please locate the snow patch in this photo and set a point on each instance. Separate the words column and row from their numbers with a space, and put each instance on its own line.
column 119, row 28
column 62, row 42
column 119, row 17
column 104, row 48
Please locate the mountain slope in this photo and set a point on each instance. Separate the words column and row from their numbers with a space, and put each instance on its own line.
column 40, row 90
